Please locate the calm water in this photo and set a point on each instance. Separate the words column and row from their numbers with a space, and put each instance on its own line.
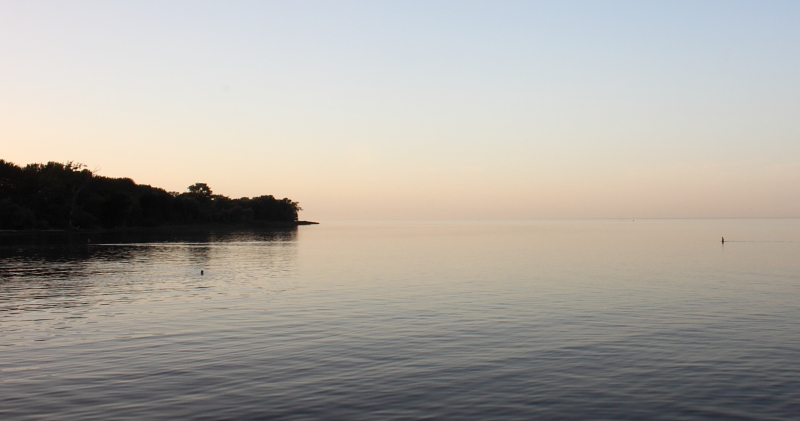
column 586, row 319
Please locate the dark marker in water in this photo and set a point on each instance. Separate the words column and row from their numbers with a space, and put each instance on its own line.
column 202, row 272
column 723, row 240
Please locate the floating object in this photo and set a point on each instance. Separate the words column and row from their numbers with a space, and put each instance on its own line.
column 202, row 272
column 723, row 240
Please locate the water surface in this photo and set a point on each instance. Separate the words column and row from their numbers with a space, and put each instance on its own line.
column 581, row 319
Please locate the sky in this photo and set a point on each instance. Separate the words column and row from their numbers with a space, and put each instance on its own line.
column 419, row 109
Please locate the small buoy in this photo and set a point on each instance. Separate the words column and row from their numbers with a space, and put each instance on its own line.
column 202, row 272
column 723, row 240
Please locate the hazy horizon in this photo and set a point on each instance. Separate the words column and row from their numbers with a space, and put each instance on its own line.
column 419, row 110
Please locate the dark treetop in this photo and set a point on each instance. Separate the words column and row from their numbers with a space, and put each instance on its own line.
column 67, row 195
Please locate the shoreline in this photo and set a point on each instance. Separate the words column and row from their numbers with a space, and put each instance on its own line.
column 168, row 228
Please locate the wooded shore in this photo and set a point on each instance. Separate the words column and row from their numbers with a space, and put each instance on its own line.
column 68, row 196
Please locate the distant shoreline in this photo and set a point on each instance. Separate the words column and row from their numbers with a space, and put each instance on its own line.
column 68, row 196
column 168, row 228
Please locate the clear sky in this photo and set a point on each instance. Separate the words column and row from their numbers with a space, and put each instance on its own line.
column 419, row 109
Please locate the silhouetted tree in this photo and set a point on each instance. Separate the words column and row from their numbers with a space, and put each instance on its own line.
column 200, row 189
column 77, row 177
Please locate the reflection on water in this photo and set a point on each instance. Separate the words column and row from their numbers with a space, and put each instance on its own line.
column 405, row 320
column 58, row 271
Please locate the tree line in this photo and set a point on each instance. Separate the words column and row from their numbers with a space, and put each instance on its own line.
column 70, row 196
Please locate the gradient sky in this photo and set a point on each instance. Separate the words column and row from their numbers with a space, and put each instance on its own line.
column 419, row 109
